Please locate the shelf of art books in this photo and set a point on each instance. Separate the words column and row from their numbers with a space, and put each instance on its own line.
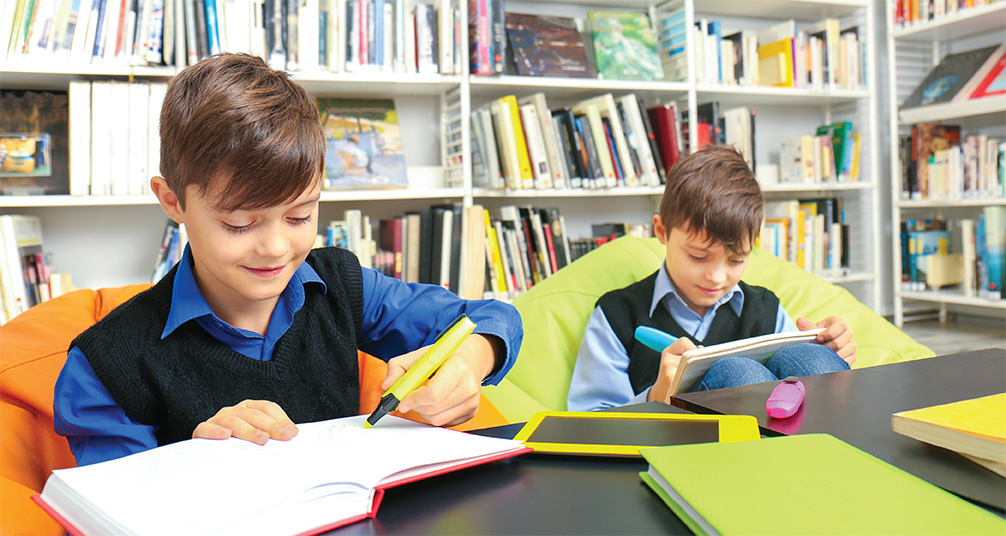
column 948, row 101
column 644, row 82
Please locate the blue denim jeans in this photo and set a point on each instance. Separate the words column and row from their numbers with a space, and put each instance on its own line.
column 804, row 359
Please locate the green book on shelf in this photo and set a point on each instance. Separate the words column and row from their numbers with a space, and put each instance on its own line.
column 625, row 47
column 803, row 484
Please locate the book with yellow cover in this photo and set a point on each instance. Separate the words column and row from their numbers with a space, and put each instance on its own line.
column 975, row 428
column 516, row 138
column 775, row 63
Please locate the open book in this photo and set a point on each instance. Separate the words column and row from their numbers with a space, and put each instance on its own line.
column 331, row 474
column 695, row 363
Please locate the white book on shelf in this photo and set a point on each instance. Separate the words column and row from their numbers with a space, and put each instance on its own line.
column 444, row 277
column 110, row 31
column 307, row 35
column 79, row 125
column 101, row 137
column 138, row 130
column 553, row 148
column 637, row 139
column 535, row 146
column 445, row 36
column 80, row 29
column 157, row 93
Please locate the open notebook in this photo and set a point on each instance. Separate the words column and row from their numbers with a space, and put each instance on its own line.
column 331, row 474
column 695, row 363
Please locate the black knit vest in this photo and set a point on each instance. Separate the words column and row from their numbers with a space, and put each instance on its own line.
column 183, row 380
column 628, row 308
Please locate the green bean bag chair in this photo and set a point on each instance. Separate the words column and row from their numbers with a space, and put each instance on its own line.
column 555, row 312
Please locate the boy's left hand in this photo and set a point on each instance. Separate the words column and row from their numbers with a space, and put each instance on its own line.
column 452, row 395
column 836, row 335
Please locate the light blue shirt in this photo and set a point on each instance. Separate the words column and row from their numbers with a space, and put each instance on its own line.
column 600, row 376
column 397, row 317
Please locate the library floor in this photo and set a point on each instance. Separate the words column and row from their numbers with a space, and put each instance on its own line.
column 960, row 334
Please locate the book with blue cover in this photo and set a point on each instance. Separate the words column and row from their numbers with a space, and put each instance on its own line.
column 363, row 144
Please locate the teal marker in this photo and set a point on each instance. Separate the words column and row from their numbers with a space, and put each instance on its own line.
column 654, row 338
column 445, row 346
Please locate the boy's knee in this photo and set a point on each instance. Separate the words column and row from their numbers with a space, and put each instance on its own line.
column 805, row 359
column 734, row 371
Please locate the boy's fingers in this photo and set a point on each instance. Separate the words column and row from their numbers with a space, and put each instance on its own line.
column 208, row 430
column 275, row 422
column 398, row 365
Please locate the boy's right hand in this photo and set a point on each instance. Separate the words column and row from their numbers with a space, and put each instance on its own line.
column 257, row 421
column 669, row 359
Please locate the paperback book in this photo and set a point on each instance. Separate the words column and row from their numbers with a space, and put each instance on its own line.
column 625, row 47
column 363, row 144
column 547, row 46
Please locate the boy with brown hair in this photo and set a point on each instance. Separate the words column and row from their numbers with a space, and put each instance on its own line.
column 710, row 214
column 253, row 330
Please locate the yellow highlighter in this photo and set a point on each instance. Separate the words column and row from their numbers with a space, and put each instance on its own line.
column 445, row 345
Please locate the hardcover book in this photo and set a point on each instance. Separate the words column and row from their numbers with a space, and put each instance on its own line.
column 363, row 144
column 625, row 47
column 946, row 79
column 34, row 143
column 331, row 474
column 547, row 46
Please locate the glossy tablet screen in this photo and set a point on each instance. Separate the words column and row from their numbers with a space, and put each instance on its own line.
column 634, row 432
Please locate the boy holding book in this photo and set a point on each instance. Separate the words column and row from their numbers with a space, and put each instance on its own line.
column 253, row 330
column 710, row 215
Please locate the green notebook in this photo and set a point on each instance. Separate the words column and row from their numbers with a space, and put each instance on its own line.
column 803, row 484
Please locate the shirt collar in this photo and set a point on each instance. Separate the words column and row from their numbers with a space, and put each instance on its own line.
column 664, row 287
column 187, row 301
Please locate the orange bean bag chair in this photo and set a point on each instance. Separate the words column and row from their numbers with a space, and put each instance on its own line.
column 32, row 352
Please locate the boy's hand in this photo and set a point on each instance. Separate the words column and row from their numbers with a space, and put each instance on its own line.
column 836, row 335
column 669, row 359
column 452, row 395
column 252, row 420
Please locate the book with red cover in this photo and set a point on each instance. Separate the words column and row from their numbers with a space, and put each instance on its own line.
column 666, row 129
column 391, row 240
column 331, row 474
column 994, row 83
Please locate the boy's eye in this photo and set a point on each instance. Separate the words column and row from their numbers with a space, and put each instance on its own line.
column 697, row 258
column 737, row 262
column 301, row 221
column 236, row 228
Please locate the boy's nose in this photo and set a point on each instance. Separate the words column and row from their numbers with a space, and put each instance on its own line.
column 273, row 243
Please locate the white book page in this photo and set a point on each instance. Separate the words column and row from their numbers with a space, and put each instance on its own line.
column 332, row 465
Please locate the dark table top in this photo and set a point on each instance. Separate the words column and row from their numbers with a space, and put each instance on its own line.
column 529, row 494
column 856, row 406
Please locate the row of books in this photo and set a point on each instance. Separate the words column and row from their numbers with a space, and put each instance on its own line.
column 809, row 233
column 26, row 278
column 309, row 35
column 937, row 164
column 832, row 154
column 909, row 12
column 967, row 254
column 819, row 56
column 962, row 76
column 600, row 142
column 114, row 153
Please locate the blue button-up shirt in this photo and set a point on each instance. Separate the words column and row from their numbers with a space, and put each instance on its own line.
column 601, row 377
column 397, row 317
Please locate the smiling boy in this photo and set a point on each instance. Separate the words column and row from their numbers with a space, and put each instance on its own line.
column 710, row 215
column 253, row 330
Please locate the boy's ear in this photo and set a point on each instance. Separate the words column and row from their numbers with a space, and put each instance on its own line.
column 658, row 228
column 168, row 200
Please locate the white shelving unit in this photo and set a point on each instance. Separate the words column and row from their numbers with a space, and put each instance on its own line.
column 912, row 51
column 107, row 241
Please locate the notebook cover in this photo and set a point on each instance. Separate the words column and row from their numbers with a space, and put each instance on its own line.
column 810, row 483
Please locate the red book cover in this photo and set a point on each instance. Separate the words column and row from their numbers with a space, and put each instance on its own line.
column 994, row 83
column 662, row 118
column 391, row 240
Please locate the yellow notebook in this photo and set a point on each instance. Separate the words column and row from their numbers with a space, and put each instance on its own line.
column 803, row 484
column 975, row 427
column 775, row 64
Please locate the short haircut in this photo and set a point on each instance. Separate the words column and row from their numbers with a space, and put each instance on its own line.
column 714, row 191
column 232, row 117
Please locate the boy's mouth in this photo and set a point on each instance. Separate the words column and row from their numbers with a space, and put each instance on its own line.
column 266, row 272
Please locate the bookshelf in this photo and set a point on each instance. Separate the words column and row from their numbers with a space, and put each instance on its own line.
column 111, row 240
column 913, row 49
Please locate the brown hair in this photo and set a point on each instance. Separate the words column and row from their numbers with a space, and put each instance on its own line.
column 714, row 191
column 232, row 117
